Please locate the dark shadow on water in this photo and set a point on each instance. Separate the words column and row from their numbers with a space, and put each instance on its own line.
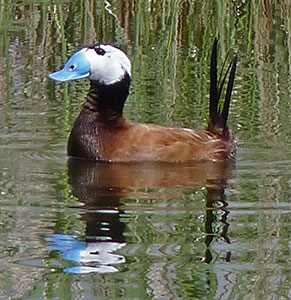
column 101, row 188
column 215, row 195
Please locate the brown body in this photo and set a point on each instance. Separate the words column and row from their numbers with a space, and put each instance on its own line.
column 102, row 133
column 127, row 141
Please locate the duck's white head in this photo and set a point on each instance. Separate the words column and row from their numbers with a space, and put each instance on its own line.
column 103, row 63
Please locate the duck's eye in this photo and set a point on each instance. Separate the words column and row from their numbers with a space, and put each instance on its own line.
column 100, row 51
column 72, row 67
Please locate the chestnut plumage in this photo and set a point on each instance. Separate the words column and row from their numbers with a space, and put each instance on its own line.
column 101, row 132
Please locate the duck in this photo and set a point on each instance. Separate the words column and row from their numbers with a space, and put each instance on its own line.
column 102, row 133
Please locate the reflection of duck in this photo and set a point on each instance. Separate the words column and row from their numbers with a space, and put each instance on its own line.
column 102, row 133
column 215, row 194
column 95, row 256
column 94, row 251
column 96, row 177
column 101, row 186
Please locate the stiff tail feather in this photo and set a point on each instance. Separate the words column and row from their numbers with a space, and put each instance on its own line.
column 218, row 118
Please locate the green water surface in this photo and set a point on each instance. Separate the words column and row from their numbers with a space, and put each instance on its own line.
column 80, row 230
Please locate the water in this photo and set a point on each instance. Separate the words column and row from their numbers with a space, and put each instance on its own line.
column 71, row 229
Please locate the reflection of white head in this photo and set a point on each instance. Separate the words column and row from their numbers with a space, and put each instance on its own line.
column 107, row 64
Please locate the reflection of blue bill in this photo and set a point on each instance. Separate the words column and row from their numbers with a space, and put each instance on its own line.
column 94, row 256
column 86, row 269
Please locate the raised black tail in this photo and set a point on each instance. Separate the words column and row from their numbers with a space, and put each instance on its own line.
column 218, row 118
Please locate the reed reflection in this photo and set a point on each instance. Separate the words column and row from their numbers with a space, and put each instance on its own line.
column 103, row 187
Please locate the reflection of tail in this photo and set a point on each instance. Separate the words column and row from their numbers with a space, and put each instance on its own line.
column 218, row 118
column 216, row 224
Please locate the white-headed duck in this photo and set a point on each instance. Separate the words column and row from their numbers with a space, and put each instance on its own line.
column 101, row 132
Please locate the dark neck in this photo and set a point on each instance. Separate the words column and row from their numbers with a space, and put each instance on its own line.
column 107, row 101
